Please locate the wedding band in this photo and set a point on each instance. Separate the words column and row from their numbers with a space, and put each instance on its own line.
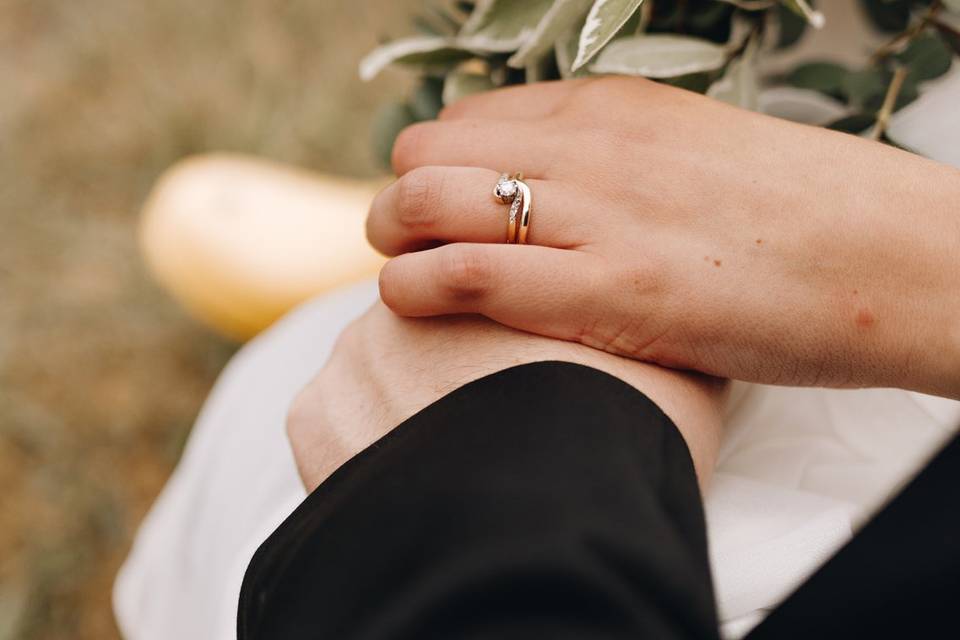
column 514, row 191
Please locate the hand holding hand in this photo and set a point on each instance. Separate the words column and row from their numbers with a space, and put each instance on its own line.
column 385, row 368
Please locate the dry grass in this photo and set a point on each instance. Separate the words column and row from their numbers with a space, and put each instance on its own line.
column 100, row 375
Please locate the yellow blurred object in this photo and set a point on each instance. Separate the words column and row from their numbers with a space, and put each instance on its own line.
column 240, row 241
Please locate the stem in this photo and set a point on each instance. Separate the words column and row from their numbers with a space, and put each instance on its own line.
column 815, row 18
column 905, row 37
column 889, row 101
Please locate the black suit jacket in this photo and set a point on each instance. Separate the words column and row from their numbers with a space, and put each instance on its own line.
column 554, row 501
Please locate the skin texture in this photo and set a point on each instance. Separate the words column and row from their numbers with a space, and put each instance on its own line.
column 675, row 229
column 385, row 368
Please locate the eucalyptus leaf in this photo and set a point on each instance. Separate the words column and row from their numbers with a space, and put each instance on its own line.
column 565, row 51
column 888, row 15
column 826, row 77
column 863, row 87
column 604, row 20
column 460, row 84
column 561, row 17
column 740, row 85
column 801, row 105
column 696, row 82
column 792, row 27
column 856, row 123
column 908, row 93
column 927, row 57
column 502, row 25
column 415, row 50
column 659, row 56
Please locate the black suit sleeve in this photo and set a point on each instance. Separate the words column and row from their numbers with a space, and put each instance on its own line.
column 549, row 500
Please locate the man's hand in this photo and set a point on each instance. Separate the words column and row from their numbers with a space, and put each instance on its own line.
column 386, row 368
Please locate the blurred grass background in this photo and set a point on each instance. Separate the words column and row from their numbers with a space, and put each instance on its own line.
column 101, row 375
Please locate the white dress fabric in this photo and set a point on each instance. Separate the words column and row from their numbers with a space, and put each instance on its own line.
column 799, row 471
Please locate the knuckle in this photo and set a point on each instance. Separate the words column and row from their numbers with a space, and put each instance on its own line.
column 595, row 92
column 407, row 148
column 598, row 94
column 388, row 285
column 456, row 110
column 417, row 193
column 468, row 271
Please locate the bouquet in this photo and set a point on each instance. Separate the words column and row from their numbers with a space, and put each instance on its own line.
column 708, row 46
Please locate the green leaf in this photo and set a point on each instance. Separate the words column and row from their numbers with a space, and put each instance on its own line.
column 792, row 27
column 801, row 105
column 603, row 22
column 416, row 50
column 863, row 87
column 659, row 56
column 562, row 16
column 927, row 57
column 740, row 86
column 891, row 16
column 565, row 51
column 856, row 123
column 696, row 82
column 825, row 77
column 503, row 25
column 460, row 84
column 908, row 93
column 389, row 121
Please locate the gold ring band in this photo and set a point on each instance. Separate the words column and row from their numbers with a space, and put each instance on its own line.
column 514, row 190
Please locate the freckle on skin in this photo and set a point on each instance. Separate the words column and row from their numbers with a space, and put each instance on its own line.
column 759, row 241
column 717, row 263
column 865, row 319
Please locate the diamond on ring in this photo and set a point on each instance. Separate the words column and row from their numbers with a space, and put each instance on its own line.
column 506, row 189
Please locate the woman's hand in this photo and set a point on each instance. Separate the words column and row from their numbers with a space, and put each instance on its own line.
column 385, row 368
column 675, row 229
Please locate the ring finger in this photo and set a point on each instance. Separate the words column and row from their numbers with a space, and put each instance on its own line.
column 431, row 205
